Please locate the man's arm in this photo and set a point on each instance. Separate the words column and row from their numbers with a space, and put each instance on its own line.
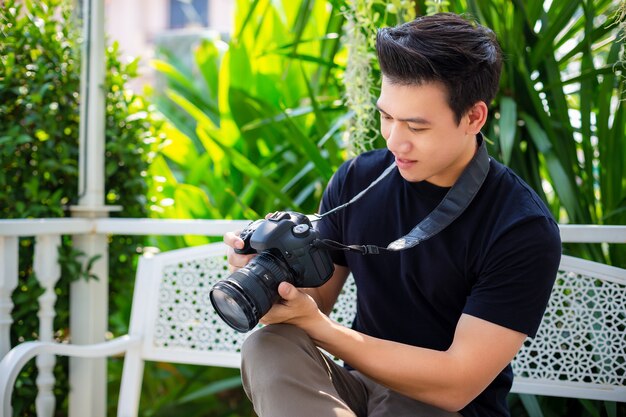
column 446, row 379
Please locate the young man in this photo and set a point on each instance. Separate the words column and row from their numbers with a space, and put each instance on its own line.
column 438, row 324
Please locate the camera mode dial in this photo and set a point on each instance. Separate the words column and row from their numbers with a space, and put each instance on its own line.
column 301, row 230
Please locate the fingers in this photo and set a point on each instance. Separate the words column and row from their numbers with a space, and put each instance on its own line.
column 287, row 291
column 295, row 307
column 279, row 312
column 235, row 260
column 233, row 240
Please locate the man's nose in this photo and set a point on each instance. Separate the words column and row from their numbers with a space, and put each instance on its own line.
column 397, row 139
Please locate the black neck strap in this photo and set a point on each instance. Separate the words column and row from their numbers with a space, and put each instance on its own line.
column 452, row 206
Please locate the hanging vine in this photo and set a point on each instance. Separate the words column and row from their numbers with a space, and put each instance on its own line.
column 358, row 79
column 436, row 6
column 362, row 23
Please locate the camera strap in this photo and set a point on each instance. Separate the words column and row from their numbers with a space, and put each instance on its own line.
column 454, row 203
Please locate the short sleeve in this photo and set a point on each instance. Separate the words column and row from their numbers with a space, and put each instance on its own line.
column 516, row 277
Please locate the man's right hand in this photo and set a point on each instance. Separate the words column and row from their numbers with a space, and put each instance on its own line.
column 236, row 260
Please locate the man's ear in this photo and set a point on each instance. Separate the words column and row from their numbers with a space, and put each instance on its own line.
column 476, row 117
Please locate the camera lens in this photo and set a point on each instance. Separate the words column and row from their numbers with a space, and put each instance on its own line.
column 244, row 297
column 230, row 310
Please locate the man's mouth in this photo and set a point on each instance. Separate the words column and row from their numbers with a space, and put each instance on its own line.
column 405, row 163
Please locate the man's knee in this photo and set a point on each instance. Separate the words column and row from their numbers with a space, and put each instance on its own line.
column 275, row 339
column 285, row 374
column 270, row 356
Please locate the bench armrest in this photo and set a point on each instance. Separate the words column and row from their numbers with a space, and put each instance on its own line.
column 14, row 361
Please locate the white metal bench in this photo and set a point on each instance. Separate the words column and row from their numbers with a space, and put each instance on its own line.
column 579, row 351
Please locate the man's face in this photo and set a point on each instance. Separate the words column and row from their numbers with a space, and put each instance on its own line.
column 422, row 133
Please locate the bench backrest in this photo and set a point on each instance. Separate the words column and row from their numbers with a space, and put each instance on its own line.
column 579, row 351
column 580, row 348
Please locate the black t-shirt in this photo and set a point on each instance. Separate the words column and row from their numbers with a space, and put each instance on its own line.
column 497, row 261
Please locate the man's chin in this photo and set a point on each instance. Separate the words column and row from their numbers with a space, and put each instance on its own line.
column 411, row 176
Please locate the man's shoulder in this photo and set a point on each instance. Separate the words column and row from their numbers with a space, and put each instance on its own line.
column 366, row 166
column 513, row 189
column 509, row 201
column 370, row 159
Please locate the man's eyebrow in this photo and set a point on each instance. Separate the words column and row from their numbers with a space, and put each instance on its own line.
column 419, row 120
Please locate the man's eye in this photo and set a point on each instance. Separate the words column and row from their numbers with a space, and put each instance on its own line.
column 416, row 129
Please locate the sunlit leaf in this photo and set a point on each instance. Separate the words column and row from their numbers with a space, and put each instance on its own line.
column 508, row 127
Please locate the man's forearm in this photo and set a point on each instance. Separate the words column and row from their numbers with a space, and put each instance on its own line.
column 446, row 379
column 423, row 374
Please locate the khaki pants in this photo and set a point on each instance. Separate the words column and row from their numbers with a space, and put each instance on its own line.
column 285, row 375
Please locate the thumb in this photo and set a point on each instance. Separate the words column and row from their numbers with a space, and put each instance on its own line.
column 287, row 291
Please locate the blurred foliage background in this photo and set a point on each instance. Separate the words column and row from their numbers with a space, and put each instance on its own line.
column 260, row 121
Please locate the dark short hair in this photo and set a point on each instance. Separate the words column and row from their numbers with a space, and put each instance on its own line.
column 445, row 47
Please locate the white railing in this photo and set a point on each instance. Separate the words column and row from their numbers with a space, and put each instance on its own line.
column 48, row 232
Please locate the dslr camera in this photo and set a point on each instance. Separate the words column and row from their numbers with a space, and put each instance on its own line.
column 285, row 243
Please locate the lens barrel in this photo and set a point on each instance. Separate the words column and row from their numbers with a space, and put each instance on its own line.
column 244, row 297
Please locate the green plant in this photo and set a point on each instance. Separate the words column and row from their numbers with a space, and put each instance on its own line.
column 559, row 119
column 38, row 84
column 269, row 122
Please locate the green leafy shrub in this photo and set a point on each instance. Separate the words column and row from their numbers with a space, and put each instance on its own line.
column 38, row 112
column 560, row 117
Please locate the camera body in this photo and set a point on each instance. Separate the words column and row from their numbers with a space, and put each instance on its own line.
column 285, row 244
column 290, row 235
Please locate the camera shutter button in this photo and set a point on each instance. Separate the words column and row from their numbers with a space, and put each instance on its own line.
column 301, row 230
